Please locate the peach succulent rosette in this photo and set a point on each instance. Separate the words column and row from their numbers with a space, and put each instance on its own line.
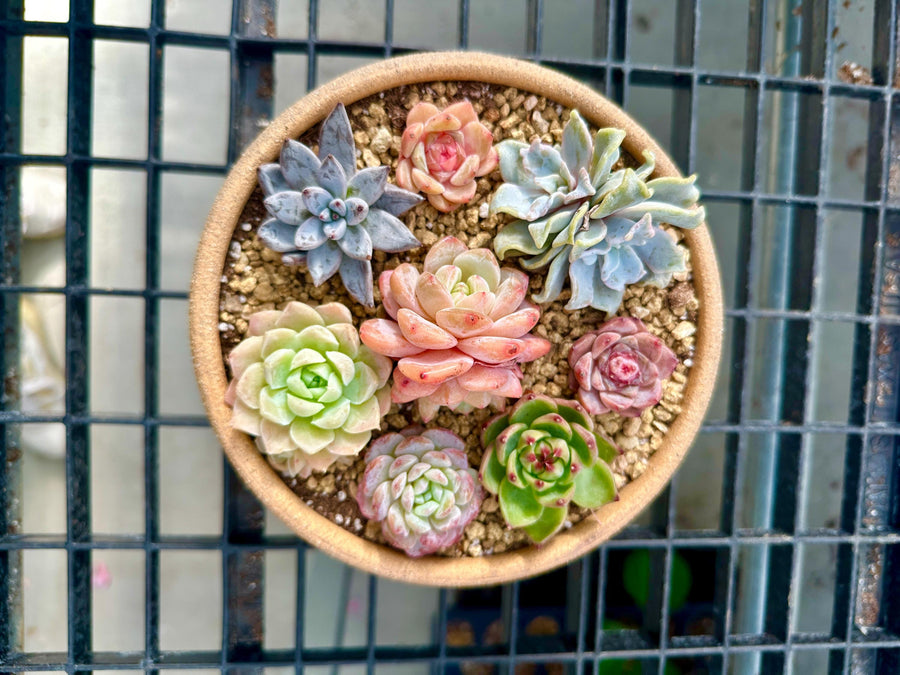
column 460, row 329
column 442, row 152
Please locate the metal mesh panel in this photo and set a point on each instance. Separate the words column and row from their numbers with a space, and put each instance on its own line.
column 779, row 202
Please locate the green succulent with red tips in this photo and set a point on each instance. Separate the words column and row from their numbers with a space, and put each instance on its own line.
column 542, row 454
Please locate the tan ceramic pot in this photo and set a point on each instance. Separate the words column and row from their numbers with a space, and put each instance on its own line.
column 262, row 479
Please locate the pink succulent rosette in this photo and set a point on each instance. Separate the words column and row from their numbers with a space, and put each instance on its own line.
column 419, row 486
column 620, row 367
column 460, row 329
column 442, row 152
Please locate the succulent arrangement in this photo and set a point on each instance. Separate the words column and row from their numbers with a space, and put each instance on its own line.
column 305, row 387
column 420, row 487
column 312, row 389
column 442, row 152
column 542, row 455
column 329, row 216
column 580, row 218
column 460, row 329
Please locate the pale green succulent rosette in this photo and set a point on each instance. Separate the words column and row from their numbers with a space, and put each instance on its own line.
column 582, row 220
column 306, row 387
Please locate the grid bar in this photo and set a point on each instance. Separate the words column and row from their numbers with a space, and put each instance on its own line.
column 10, row 235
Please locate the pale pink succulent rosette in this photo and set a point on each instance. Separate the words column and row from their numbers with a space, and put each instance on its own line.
column 418, row 484
column 442, row 152
column 460, row 329
column 620, row 367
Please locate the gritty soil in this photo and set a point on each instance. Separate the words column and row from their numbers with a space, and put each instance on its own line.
column 255, row 279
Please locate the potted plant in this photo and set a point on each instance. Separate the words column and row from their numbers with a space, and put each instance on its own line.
column 455, row 318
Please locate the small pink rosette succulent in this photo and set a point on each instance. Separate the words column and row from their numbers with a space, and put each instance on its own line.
column 443, row 152
column 620, row 367
column 460, row 329
column 420, row 487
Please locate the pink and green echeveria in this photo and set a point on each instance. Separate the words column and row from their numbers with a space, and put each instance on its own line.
column 539, row 456
column 459, row 329
column 306, row 387
column 419, row 486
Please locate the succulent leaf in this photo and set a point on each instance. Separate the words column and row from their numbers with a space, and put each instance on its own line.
column 460, row 329
column 580, row 219
column 310, row 398
column 277, row 236
column 317, row 204
column 547, row 525
column 298, row 166
column 336, row 139
column 538, row 458
column 420, row 487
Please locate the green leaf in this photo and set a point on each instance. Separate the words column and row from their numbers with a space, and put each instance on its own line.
column 680, row 191
column 605, row 154
column 559, row 490
column 583, row 443
column 518, row 505
column 541, row 228
column 547, row 525
column 492, row 429
column 251, row 384
column 661, row 212
column 273, row 406
column 629, row 193
column 363, row 385
column 515, row 200
column 492, row 472
column 507, row 440
column 279, row 338
column 334, row 415
column 576, row 143
column 574, row 413
column 303, row 408
column 318, row 338
column 308, row 438
column 515, row 239
column 594, row 486
column 530, row 407
column 343, row 364
column 556, row 277
column 363, row 417
column 278, row 367
column 606, row 449
column 554, row 423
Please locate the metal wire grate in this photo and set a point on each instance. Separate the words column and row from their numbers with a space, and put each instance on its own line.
column 749, row 568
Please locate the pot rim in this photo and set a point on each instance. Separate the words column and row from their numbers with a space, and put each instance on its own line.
column 270, row 488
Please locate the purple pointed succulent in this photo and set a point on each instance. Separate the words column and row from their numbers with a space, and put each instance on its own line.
column 620, row 367
column 329, row 216
column 419, row 485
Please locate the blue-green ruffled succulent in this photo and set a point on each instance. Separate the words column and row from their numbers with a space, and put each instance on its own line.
column 601, row 228
column 329, row 216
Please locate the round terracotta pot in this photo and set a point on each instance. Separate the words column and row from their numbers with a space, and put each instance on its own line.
column 266, row 483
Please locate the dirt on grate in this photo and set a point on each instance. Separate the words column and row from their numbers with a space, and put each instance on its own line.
column 255, row 279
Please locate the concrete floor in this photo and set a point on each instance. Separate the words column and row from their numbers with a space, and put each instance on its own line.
column 197, row 86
